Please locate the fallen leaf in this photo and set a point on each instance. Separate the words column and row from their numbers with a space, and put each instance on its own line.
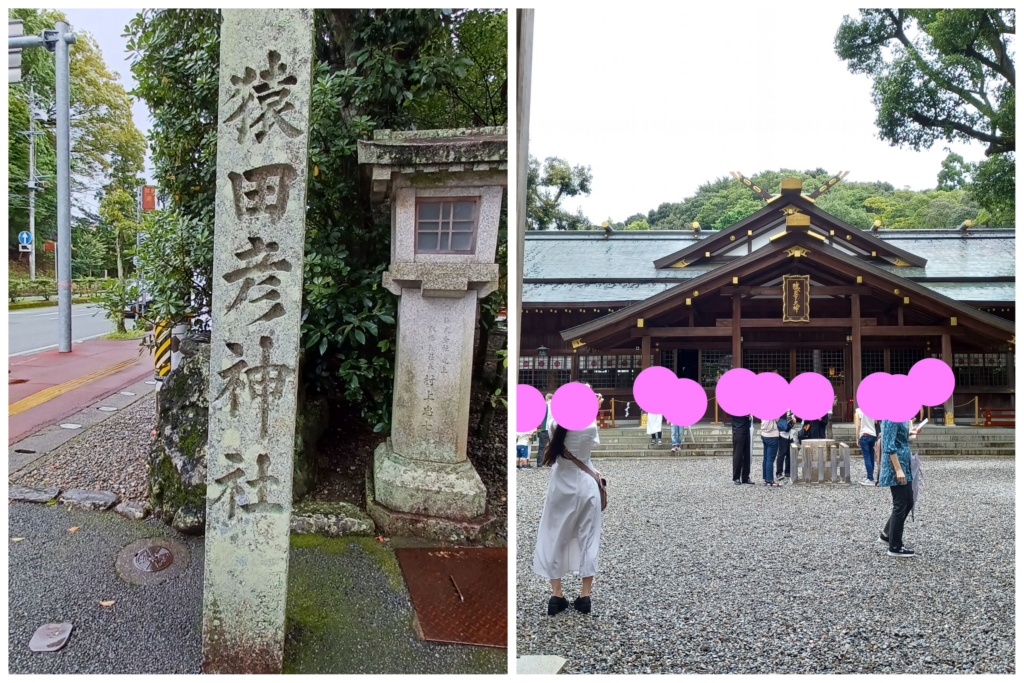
column 73, row 529
column 18, row 539
column 52, row 502
column 106, row 603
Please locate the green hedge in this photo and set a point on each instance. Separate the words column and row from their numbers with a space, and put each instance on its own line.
column 47, row 287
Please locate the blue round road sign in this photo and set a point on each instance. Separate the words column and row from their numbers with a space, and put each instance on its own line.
column 25, row 237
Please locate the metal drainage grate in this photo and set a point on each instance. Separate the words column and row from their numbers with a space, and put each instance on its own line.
column 460, row 595
column 150, row 561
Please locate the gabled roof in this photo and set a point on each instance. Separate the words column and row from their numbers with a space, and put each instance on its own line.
column 776, row 253
column 771, row 218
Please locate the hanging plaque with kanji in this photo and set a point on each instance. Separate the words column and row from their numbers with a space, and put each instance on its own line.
column 259, row 241
column 796, row 298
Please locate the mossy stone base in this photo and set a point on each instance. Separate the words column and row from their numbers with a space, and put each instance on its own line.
column 332, row 520
column 394, row 523
column 420, row 487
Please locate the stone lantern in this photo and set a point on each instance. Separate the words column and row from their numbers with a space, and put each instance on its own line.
column 445, row 189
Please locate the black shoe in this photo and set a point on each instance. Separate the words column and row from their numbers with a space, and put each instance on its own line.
column 737, row 482
column 747, row 481
column 883, row 538
column 582, row 604
column 556, row 605
column 902, row 552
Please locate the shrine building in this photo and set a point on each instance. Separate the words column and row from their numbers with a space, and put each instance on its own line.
column 789, row 288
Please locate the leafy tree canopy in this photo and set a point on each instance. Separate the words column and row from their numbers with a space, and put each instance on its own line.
column 102, row 129
column 545, row 189
column 943, row 74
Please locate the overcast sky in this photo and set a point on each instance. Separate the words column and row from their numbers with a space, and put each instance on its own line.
column 658, row 102
column 106, row 26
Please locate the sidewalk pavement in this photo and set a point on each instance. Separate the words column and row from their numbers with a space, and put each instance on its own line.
column 47, row 387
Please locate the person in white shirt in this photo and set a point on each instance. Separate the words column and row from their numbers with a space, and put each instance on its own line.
column 523, row 440
column 654, row 427
column 864, row 428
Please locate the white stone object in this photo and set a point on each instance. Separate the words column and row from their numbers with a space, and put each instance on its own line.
column 262, row 137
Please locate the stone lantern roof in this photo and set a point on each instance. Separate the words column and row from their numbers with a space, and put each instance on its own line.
column 414, row 152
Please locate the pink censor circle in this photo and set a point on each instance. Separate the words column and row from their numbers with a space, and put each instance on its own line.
column 903, row 403
column 871, row 395
column 530, row 408
column 574, row 406
column 770, row 396
column 932, row 380
column 653, row 389
column 810, row 396
column 688, row 404
column 735, row 391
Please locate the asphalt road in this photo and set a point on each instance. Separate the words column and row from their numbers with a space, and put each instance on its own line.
column 35, row 329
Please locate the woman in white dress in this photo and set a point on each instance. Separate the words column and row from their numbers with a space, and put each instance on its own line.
column 570, row 526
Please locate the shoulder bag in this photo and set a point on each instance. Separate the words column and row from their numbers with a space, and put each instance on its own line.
column 601, row 483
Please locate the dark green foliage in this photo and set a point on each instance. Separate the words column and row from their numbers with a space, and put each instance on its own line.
column 943, row 74
column 374, row 69
column 545, row 189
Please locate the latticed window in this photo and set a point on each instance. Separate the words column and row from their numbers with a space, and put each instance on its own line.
column 871, row 361
column 980, row 370
column 714, row 364
column 446, row 226
column 668, row 360
column 547, row 373
column 764, row 360
column 901, row 360
column 610, row 372
column 827, row 362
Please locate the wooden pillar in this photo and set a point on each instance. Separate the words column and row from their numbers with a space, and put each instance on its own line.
column 947, row 358
column 645, row 351
column 899, row 315
column 1011, row 375
column 792, row 363
column 737, row 351
column 886, row 363
column 574, row 370
column 855, row 333
column 691, row 316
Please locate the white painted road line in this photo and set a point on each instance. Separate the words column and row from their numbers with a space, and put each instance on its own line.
column 53, row 346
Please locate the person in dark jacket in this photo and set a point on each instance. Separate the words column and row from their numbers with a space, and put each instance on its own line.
column 786, row 425
column 741, row 449
column 815, row 429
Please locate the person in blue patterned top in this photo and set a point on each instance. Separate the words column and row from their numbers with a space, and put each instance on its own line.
column 896, row 474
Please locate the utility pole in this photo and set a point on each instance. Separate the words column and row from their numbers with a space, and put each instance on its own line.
column 57, row 40
column 32, row 180
column 62, row 68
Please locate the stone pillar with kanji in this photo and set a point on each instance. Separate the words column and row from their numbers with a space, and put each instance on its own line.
column 445, row 189
column 259, row 242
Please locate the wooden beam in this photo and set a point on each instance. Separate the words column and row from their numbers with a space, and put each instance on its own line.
column 899, row 315
column 855, row 351
column 737, row 351
column 816, row 290
column 645, row 350
column 777, row 322
column 911, row 331
column 663, row 332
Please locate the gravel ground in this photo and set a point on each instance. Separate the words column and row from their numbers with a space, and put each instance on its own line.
column 700, row 576
column 110, row 456
column 56, row 576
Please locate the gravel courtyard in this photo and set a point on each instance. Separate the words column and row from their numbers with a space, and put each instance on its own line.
column 698, row 575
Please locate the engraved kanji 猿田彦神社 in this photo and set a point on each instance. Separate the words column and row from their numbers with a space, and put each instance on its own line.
column 260, row 104
column 266, row 380
column 259, row 260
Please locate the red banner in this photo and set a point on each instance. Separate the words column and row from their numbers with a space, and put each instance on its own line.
column 148, row 197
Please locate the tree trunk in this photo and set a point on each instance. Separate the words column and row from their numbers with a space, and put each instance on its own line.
column 120, row 266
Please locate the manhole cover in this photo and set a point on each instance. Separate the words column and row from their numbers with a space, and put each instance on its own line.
column 153, row 558
column 70, row 425
column 17, row 381
column 458, row 594
column 50, row 637
column 150, row 561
